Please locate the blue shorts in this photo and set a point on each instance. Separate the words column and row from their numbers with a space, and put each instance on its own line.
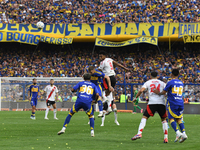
column 175, row 111
column 33, row 102
column 99, row 87
column 87, row 107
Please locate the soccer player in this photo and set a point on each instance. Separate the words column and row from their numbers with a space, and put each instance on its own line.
column 174, row 90
column 87, row 93
column 156, row 104
column 106, row 66
column 34, row 93
column 135, row 104
column 97, row 78
column 51, row 91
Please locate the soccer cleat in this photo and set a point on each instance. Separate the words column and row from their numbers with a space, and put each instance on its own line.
column 102, row 125
column 92, row 133
column 137, row 136
column 183, row 138
column 61, row 132
column 33, row 118
column 178, row 136
column 165, row 140
column 134, row 113
column 100, row 114
column 46, row 118
column 56, row 118
column 117, row 123
column 141, row 111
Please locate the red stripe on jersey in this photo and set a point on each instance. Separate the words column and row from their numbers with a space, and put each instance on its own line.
column 51, row 93
column 149, row 111
column 105, row 84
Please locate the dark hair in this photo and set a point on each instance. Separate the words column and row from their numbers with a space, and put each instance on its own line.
column 86, row 76
column 91, row 68
column 51, row 79
column 34, row 79
column 102, row 52
column 154, row 74
column 175, row 72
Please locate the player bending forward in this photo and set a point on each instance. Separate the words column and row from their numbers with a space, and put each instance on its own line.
column 174, row 90
column 51, row 91
column 106, row 66
column 87, row 92
column 156, row 103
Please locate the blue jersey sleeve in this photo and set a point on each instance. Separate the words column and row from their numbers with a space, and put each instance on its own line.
column 30, row 89
column 167, row 87
column 76, row 86
column 99, row 74
column 38, row 89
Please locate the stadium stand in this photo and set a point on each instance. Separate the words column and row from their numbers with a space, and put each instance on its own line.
column 99, row 11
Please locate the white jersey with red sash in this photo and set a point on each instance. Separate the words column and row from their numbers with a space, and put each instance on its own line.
column 51, row 92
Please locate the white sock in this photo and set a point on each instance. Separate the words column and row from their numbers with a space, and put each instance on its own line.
column 54, row 113
column 104, row 98
column 103, row 118
column 165, row 129
column 46, row 113
column 142, row 125
column 64, row 128
column 115, row 114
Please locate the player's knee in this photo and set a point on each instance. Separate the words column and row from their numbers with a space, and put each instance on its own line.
column 145, row 117
column 115, row 110
column 71, row 113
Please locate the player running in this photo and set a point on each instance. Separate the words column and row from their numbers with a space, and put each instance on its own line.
column 97, row 78
column 156, row 103
column 106, row 66
column 51, row 91
column 135, row 103
column 174, row 90
column 34, row 93
column 87, row 93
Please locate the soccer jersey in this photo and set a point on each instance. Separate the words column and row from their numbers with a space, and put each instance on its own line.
column 174, row 90
column 97, row 77
column 51, row 92
column 87, row 91
column 154, row 98
column 34, row 89
column 107, row 67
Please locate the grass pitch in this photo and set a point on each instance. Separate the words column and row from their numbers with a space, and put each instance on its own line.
column 19, row 132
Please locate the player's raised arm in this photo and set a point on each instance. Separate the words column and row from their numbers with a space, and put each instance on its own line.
column 118, row 64
column 139, row 93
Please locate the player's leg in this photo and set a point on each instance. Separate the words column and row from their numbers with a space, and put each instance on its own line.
column 105, row 107
column 90, row 114
column 47, row 110
column 172, row 121
column 161, row 109
column 114, row 107
column 33, row 104
column 150, row 111
column 99, row 101
column 55, row 110
column 73, row 110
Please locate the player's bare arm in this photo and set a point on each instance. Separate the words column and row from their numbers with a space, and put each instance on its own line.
column 109, row 83
column 159, row 93
column 118, row 64
column 138, row 94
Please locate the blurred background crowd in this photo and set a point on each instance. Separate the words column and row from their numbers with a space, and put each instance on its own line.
column 20, row 60
column 99, row 11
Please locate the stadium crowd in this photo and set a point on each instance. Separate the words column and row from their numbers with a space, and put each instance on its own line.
column 51, row 62
column 98, row 11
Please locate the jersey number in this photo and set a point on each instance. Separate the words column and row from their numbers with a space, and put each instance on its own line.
column 111, row 66
column 177, row 90
column 87, row 89
column 153, row 86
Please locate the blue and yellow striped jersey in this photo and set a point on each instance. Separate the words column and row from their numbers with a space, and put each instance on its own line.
column 34, row 89
column 87, row 91
column 97, row 77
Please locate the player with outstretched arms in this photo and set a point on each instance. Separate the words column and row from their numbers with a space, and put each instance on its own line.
column 174, row 90
column 156, row 104
column 106, row 66
column 87, row 93
column 52, row 92
column 34, row 93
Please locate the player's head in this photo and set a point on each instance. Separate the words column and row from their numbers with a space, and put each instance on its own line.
column 175, row 72
column 91, row 70
column 135, row 87
column 154, row 75
column 86, row 76
column 51, row 81
column 34, row 81
column 102, row 55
